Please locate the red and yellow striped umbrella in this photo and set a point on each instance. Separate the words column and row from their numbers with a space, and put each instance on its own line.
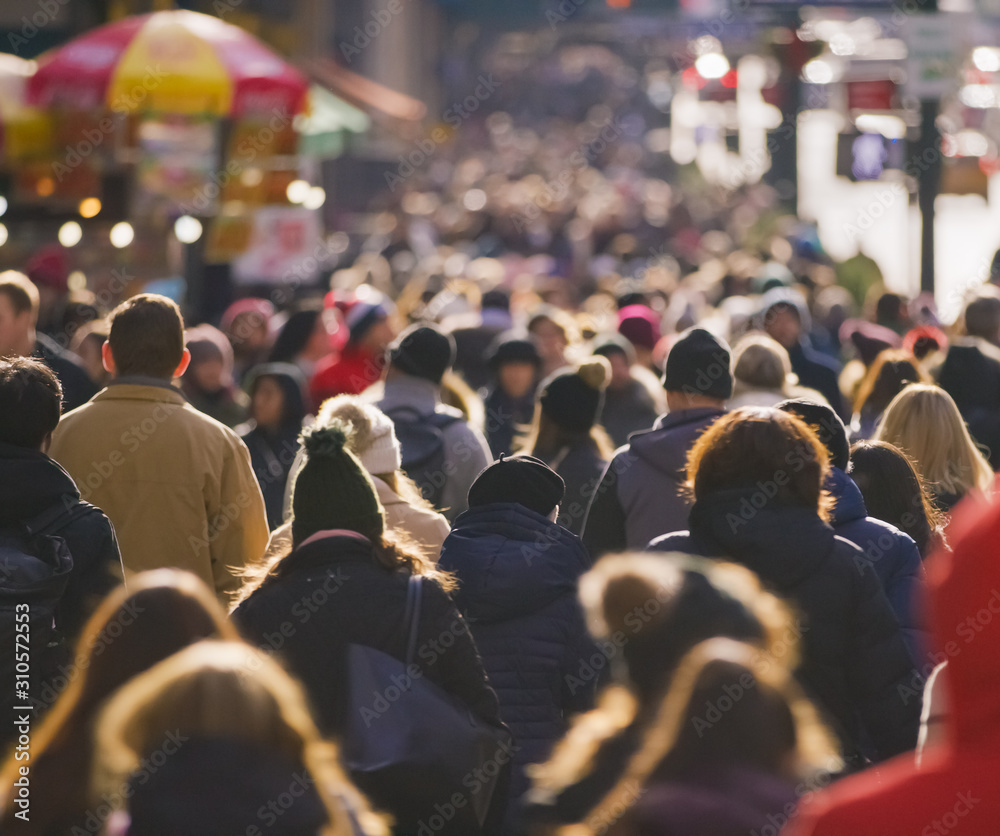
column 173, row 62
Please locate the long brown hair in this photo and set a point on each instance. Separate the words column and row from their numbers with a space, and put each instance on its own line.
column 892, row 370
column 772, row 727
column 159, row 613
column 393, row 551
column 224, row 690
column 895, row 493
column 682, row 601
column 546, row 440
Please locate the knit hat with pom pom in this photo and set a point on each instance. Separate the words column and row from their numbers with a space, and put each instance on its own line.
column 573, row 397
column 332, row 489
column 373, row 436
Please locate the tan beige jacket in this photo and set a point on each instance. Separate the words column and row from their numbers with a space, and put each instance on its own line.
column 177, row 485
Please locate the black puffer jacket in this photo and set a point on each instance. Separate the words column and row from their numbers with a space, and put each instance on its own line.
column 518, row 574
column 853, row 653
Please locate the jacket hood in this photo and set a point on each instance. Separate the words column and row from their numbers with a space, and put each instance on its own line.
column 510, row 561
column 965, row 604
column 785, row 296
column 666, row 446
column 32, row 482
column 784, row 544
column 849, row 504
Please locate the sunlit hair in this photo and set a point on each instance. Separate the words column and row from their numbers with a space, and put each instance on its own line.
column 888, row 374
column 924, row 423
column 652, row 609
column 160, row 612
column 894, row 492
column 753, row 445
column 773, row 727
column 760, row 362
column 230, row 691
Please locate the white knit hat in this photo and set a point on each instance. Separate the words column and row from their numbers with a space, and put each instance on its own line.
column 374, row 439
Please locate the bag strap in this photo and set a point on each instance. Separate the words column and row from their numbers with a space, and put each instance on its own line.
column 56, row 517
column 414, row 595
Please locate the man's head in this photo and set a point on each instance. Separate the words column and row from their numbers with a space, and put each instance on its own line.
column 30, row 403
column 522, row 479
column 146, row 337
column 423, row 351
column 826, row 424
column 18, row 314
column 783, row 323
column 698, row 371
column 982, row 315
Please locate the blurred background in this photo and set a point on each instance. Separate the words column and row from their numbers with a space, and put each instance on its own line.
column 216, row 149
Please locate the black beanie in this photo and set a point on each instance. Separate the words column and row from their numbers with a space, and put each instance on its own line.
column 423, row 351
column 522, row 479
column 573, row 397
column 332, row 489
column 699, row 364
column 826, row 424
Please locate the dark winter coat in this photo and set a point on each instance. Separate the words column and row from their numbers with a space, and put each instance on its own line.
column 820, row 372
column 639, row 496
column 272, row 453
column 32, row 483
column 77, row 387
column 853, row 655
column 891, row 553
column 330, row 593
column 518, row 574
column 725, row 801
column 971, row 375
column 581, row 467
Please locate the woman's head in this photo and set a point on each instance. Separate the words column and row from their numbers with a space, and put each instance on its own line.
column 760, row 362
column 277, row 395
column 892, row 370
column 211, row 693
column 332, row 490
column 768, row 724
column 751, row 447
column 654, row 609
column 924, row 423
column 372, row 437
column 893, row 491
column 160, row 613
column 303, row 335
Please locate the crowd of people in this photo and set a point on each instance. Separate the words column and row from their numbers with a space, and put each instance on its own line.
column 574, row 503
column 511, row 569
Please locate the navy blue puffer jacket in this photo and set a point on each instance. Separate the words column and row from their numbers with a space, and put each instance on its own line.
column 518, row 576
column 890, row 552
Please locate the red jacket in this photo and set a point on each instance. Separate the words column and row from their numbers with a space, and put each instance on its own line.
column 349, row 373
column 954, row 791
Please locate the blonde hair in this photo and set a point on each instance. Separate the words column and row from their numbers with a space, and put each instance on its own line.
column 813, row 745
column 224, row 690
column 134, row 628
column 612, row 593
column 923, row 422
column 760, row 362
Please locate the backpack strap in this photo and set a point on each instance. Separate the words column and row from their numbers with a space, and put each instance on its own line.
column 414, row 595
column 56, row 517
